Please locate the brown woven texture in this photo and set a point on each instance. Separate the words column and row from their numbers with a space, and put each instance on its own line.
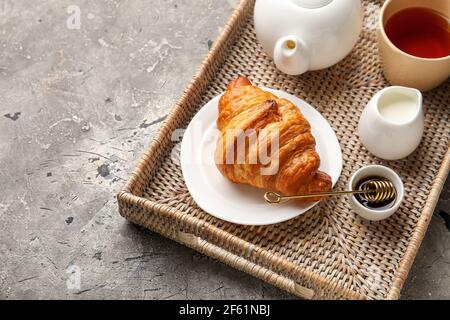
column 328, row 252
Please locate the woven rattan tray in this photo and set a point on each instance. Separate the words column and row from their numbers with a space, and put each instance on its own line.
column 328, row 252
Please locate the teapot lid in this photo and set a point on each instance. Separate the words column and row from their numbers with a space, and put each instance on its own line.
column 312, row 4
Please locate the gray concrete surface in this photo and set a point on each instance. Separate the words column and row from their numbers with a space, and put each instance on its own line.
column 77, row 109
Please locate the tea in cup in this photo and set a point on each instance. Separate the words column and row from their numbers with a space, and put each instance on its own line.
column 414, row 42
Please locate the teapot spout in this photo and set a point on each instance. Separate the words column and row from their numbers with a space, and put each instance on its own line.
column 291, row 55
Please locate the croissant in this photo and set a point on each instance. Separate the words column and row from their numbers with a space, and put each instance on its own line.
column 246, row 108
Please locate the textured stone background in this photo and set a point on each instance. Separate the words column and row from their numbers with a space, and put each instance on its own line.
column 77, row 109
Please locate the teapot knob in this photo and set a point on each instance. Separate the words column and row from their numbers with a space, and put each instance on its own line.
column 291, row 55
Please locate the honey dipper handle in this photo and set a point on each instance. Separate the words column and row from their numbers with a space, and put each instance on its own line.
column 273, row 197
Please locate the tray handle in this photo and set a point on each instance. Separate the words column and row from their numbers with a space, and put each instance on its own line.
column 242, row 264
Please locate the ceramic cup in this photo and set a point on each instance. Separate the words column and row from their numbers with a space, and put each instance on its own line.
column 378, row 171
column 401, row 68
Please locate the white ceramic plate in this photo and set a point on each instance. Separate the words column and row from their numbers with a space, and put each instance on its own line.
column 238, row 203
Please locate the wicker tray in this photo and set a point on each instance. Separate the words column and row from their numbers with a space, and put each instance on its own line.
column 328, row 252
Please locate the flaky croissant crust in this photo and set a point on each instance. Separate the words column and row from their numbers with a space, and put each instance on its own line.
column 244, row 106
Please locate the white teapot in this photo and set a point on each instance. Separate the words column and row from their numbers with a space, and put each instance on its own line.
column 303, row 35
